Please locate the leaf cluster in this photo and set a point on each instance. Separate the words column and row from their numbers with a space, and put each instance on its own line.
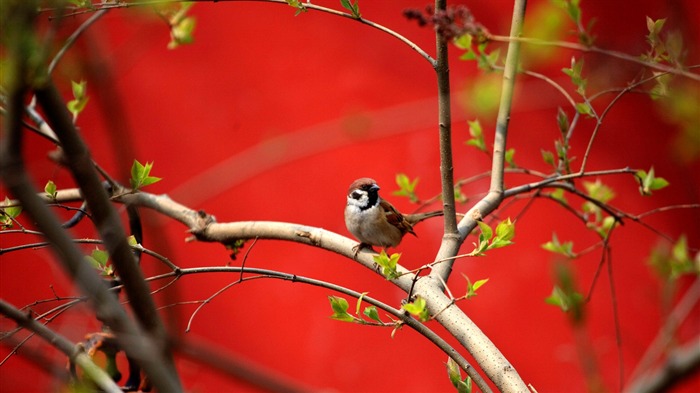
column 141, row 175
column 505, row 231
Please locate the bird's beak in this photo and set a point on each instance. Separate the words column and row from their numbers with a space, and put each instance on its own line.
column 375, row 187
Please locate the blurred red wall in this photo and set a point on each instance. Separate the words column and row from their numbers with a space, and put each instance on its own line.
column 268, row 116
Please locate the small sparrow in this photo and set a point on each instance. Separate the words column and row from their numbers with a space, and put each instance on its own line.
column 374, row 221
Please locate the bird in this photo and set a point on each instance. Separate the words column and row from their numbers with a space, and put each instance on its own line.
column 374, row 221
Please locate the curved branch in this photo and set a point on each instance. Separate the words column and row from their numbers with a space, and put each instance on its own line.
column 404, row 317
column 94, row 372
column 306, row 6
column 595, row 49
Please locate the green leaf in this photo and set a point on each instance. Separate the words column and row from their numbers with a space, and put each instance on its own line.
column 585, row 108
column 558, row 195
column 510, row 154
column 300, row 7
column 464, row 41
column 574, row 72
column 680, row 249
column 359, row 302
column 453, row 372
column 50, row 189
column 388, row 264
column 675, row 262
column 472, row 288
column 418, row 309
column 649, row 182
column 567, row 302
column 371, row 313
column 140, row 175
column 548, row 157
column 505, row 230
column 352, row 7
column 599, row 191
column 80, row 100
column 407, row 187
column 132, row 241
column 565, row 296
column 455, row 376
column 562, row 121
column 486, row 231
column 340, row 309
column 100, row 256
column 605, row 226
column 9, row 213
column 459, row 195
column 98, row 259
column 565, row 249
column 477, row 134
column 181, row 33
column 484, row 238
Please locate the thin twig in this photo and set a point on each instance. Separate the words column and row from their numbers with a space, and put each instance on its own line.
column 594, row 49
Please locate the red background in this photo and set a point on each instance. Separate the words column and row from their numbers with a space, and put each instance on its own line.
column 270, row 117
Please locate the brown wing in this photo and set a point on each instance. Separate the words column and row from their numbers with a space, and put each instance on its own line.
column 395, row 218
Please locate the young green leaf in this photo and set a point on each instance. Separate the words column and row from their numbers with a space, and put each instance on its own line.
column 565, row 296
column 7, row 214
column 484, row 238
column 80, row 98
column 472, row 287
column 562, row 121
column 371, row 313
column 340, row 309
column 98, row 259
column 509, row 158
column 585, row 108
column 418, row 308
column 181, row 26
column 459, row 195
column 574, row 72
column 50, row 189
column 300, row 7
column 100, row 256
column 486, row 231
column 407, row 187
column 648, row 182
column 675, row 262
column 548, row 157
column 141, row 175
column 181, row 33
column 455, row 376
column 352, row 7
column 505, row 232
column 477, row 140
column 558, row 195
column 388, row 264
column 599, row 191
column 565, row 249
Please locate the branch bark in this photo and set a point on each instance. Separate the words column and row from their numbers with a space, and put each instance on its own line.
column 94, row 372
column 14, row 175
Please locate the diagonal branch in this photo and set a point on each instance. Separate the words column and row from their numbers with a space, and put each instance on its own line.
column 94, row 372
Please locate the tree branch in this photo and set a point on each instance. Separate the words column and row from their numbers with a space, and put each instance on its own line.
column 94, row 372
column 400, row 314
column 108, row 224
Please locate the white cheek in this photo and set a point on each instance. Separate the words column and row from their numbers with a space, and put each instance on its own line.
column 358, row 203
column 353, row 206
